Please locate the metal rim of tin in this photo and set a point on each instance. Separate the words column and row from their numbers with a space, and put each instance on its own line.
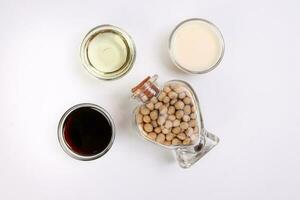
column 61, row 138
column 128, row 41
column 184, row 68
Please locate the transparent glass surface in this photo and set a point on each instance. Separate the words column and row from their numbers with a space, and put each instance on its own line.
column 118, row 37
column 63, row 142
column 220, row 40
column 171, row 118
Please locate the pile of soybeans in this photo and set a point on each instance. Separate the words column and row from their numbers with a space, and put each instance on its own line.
column 170, row 118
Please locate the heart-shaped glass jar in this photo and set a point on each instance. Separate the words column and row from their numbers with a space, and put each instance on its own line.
column 170, row 117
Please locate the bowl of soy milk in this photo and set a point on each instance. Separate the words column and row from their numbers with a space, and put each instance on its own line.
column 196, row 46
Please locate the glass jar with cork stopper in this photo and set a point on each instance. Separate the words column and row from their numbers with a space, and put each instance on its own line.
column 170, row 116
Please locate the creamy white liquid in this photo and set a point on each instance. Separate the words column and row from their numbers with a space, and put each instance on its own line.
column 107, row 52
column 196, row 45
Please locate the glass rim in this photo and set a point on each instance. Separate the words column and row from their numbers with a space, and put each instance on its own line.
column 128, row 41
column 184, row 68
column 61, row 134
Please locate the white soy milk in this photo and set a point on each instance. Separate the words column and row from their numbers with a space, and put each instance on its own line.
column 196, row 46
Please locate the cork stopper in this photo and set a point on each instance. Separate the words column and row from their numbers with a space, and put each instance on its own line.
column 146, row 89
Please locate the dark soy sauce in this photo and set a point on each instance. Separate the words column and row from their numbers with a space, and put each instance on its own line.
column 87, row 131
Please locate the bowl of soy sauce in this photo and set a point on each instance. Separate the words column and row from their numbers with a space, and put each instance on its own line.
column 86, row 131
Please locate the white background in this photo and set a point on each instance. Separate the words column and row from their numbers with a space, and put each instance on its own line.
column 251, row 101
